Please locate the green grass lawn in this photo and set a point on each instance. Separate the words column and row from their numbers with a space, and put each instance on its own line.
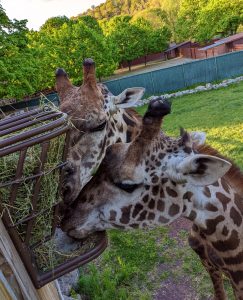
column 128, row 269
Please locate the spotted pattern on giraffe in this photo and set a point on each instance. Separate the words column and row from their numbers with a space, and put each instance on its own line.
column 239, row 203
column 234, row 260
column 209, row 206
column 138, row 207
column 223, row 199
column 113, row 214
column 225, row 185
column 211, row 225
column 188, row 196
column 171, row 192
column 151, row 204
column 174, row 210
column 189, row 184
column 231, row 243
column 235, row 216
column 225, row 231
column 126, row 214
column 207, row 192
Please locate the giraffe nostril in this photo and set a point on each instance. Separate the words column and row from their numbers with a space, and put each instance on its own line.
column 67, row 214
column 66, row 192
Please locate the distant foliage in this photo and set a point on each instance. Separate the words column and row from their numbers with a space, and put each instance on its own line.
column 30, row 58
column 201, row 20
column 114, row 32
column 198, row 20
column 113, row 8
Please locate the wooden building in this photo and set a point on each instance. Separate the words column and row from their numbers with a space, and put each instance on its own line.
column 216, row 47
column 225, row 45
column 177, row 50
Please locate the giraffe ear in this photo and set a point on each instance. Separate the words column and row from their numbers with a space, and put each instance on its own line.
column 129, row 97
column 203, row 169
column 198, row 138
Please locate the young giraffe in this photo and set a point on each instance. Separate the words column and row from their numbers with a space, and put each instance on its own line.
column 99, row 120
column 154, row 180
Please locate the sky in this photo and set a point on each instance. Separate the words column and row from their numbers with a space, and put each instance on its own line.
column 38, row 11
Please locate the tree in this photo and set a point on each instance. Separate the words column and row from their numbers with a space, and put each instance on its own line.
column 171, row 9
column 111, row 8
column 68, row 45
column 186, row 26
column 127, row 37
column 219, row 17
column 153, row 39
column 17, row 64
column 90, row 22
column 155, row 16
column 54, row 23
column 201, row 20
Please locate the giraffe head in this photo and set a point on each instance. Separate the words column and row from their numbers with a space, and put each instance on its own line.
column 143, row 183
column 98, row 121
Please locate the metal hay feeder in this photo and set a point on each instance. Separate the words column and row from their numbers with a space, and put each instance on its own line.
column 18, row 135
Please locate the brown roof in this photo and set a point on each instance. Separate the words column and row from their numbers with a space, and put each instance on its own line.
column 177, row 46
column 227, row 40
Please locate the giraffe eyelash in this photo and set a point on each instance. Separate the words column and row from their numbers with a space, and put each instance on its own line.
column 99, row 128
column 129, row 188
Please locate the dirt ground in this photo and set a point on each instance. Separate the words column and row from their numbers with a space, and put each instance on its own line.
column 176, row 288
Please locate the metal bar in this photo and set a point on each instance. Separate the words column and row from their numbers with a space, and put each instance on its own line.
column 39, row 243
column 25, row 120
column 22, row 249
column 12, row 119
column 25, row 179
column 56, row 217
column 34, row 141
column 36, row 191
column 25, row 250
column 73, row 263
column 29, row 123
column 19, row 172
column 33, row 132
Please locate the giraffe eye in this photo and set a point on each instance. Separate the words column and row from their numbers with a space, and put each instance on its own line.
column 99, row 128
column 129, row 188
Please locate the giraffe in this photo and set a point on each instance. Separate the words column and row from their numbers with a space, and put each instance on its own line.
column 155, row 179
column 99, row 119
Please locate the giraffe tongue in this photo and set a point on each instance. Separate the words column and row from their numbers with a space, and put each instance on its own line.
column 89, row 71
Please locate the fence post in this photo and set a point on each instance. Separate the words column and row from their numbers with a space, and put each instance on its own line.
column 16, row 267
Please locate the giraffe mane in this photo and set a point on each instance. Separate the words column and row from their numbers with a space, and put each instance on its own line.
column 234, row 176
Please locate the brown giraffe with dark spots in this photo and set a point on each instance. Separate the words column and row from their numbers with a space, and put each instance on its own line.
column 198, row 184
column 99, row 120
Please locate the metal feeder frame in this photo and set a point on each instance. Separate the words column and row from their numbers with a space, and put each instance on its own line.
column 42, row 135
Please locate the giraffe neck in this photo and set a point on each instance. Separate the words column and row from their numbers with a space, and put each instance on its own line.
column 121, row 127
column 217, row 206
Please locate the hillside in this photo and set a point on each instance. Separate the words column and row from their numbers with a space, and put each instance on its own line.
column 112, row 8
column 157, row 12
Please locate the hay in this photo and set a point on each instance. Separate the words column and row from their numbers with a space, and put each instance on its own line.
column 47, row 254
column 53, row 252
column 48, row 195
